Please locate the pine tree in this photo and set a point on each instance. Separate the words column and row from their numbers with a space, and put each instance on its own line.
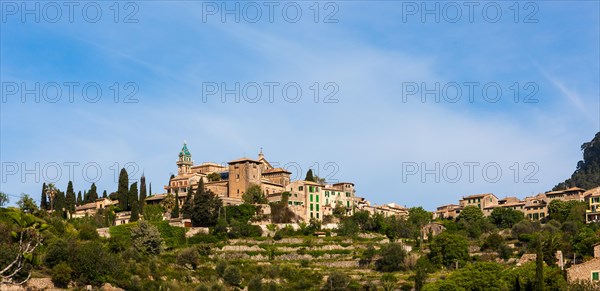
column 93, row 193
column 122, row 190
column 133, row 199
column 79, row 198
column 142, row 193
column 309, row 176
column 206, row 207
column 187, row 205
column 104, row 195
column 70, row 199
column 44, row 201
column 175, row 212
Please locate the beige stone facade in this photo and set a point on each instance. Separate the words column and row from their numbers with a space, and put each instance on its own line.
column 533, row 207
column 228, row 182
column 449, row 211
column 480, row 201
column 90, row 209
column 587, row 271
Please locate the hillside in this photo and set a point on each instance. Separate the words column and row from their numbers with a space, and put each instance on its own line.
column 587, row 173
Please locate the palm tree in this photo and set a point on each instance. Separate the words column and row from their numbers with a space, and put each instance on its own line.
column 50, row 192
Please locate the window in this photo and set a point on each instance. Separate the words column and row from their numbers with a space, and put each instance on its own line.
column 317, row 215
column 317, row 196
column 317, row 207
column 311, row 207
column 311, row 198
column 301, row 188
column 311, row 189
column 595, row 276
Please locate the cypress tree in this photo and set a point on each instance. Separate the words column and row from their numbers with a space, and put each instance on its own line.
column 104, row 195
column 93, row 193
column 206, row 207
column 44, row 201
column 539, row 264
column 70, row 199
column 59, row 203
column 133, row 198
column 86, row 197
column 187, row 206
column 142, row 193
column 150, row 190
column 175, row 212
column 79, row 199
column 122, row 190
column 309, row 176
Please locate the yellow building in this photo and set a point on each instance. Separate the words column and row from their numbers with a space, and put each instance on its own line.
column 592, row 197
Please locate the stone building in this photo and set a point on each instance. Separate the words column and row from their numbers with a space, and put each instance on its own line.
column 587, row 271
column 228, row 182
column 592, row 198
column 480, row 201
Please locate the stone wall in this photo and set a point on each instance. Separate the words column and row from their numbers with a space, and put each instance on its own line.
column 583, row 271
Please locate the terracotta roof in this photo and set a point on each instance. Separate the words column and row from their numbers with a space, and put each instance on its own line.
column 344, row 183
column 91, row 205
column 477, row 195
column 244, row 159
column 563, row 191
column 592, row 192
column 276, row 170
column 209, row 164
column 156, row 197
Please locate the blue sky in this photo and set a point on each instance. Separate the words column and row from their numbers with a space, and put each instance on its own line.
column 374, row 134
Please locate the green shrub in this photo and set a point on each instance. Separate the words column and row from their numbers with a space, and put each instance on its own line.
column 255, row 284
column 336, row 281
column 88, row 232
column 57, row 252
column 146, row 239
column 61, row 275
column 232, row 276
column 220, row 268
column 204, row 238
column 392, row 258
column 188, row 256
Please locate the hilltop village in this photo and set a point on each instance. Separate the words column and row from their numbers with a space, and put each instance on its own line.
column 318, row 200
column 246, row 225
column 307, row 199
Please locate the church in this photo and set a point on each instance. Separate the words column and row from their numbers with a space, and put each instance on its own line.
column 228, row 182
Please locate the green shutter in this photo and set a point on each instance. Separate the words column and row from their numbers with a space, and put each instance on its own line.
column 595, row 276
column 317, row 196
column 311, row 198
